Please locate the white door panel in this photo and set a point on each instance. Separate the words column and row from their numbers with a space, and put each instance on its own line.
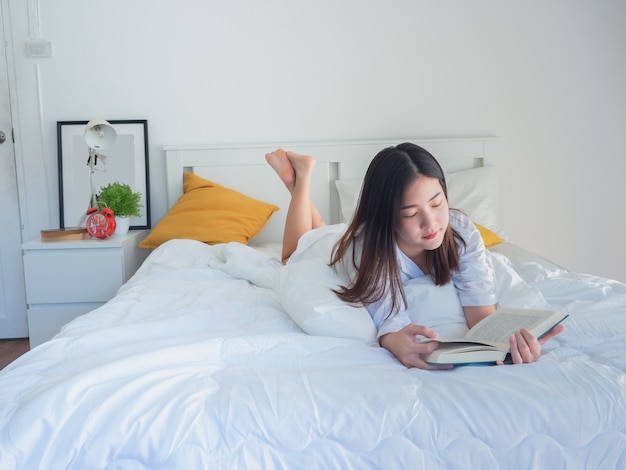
column 13, row 322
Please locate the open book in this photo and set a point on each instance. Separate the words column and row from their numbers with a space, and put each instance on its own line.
column 488, row 340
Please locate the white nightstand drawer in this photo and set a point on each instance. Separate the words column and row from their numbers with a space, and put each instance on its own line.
column 76, row 275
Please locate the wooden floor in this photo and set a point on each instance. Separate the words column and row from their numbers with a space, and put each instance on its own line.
column 11, row 349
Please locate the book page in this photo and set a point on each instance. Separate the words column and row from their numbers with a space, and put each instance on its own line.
column 502, row 325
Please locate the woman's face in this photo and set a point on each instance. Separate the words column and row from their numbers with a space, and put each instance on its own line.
column 424, row 217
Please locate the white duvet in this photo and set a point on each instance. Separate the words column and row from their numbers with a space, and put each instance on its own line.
column 192, row 365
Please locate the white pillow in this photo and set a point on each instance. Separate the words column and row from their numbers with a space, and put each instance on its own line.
column 304, row 289
column 349, row 191
column 472, row 191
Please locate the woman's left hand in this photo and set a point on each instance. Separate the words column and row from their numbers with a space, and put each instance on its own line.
column 525, row 347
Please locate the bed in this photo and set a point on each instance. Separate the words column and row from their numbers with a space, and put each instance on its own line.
column 214, row 355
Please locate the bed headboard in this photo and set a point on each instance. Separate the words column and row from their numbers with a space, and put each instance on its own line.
column 243, row 168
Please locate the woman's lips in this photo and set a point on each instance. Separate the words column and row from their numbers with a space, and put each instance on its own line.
column 431, row 236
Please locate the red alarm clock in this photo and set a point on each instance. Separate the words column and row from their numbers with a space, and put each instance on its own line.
column 100, row 223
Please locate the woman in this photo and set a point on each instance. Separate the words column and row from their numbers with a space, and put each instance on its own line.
column 402, row 229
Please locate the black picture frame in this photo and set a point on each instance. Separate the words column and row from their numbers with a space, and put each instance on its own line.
column 126, row 161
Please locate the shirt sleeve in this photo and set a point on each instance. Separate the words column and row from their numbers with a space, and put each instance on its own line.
column 474, row 281
column 384, row 325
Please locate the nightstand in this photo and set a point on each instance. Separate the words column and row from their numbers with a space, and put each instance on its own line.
column 65, row 279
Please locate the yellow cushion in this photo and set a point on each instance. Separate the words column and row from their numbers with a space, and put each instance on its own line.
column 489, row 237
column 210, row 213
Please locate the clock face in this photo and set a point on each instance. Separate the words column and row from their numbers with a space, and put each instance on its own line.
column 100, row 225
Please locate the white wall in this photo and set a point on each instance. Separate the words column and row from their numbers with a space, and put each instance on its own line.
column 547, row 76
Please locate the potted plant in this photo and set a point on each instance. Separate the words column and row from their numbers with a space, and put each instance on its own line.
column 124, row 203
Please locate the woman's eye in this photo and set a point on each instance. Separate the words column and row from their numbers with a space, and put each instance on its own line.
column 438, row 202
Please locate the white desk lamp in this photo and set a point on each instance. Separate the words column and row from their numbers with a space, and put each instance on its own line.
column 99, row 134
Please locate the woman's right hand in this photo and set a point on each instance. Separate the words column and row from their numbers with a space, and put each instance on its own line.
column 402, row 344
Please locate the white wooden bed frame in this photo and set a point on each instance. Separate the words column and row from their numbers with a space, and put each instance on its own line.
column 243, row 168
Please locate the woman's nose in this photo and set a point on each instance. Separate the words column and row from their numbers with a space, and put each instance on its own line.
column 428, row 219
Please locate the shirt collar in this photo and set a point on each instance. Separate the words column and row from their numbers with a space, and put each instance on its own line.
column 408, row 268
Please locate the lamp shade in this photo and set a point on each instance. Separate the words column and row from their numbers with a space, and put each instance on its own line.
column 99, row 134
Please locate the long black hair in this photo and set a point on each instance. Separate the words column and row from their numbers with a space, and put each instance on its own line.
column 389, row 174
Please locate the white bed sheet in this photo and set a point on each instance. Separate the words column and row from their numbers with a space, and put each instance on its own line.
column 188, row 367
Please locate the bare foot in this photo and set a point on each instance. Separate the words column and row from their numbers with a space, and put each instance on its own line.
column 302, row 164
column 281, row 164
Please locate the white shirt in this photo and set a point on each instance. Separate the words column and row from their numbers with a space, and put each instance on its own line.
column 474, row 281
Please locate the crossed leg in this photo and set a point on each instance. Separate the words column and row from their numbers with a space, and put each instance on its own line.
column 295, row 171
